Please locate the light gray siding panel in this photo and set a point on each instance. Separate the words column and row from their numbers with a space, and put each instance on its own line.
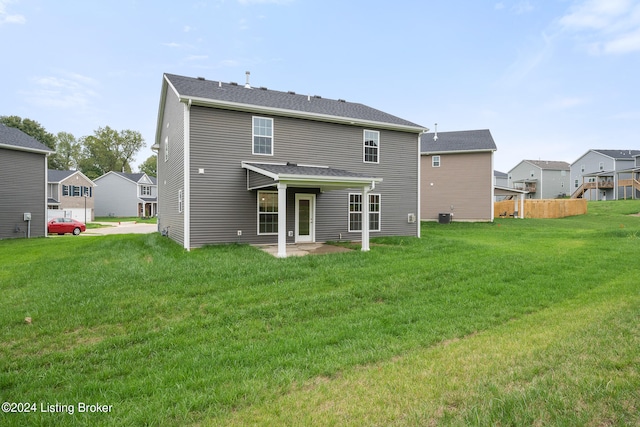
column 221, row 204
column 115, row 196
column 171, row 172
column 23, row 190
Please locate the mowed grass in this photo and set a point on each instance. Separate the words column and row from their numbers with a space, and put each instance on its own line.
column 519, row 322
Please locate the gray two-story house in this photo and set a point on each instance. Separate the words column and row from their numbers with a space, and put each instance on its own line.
column 595, row 175
column 121, row 194
column 541, row 179
column 247, row 164
column 23, row 193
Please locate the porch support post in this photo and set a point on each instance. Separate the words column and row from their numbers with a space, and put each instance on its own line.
column 365, row 218
column 282, row 220
column 522, row 206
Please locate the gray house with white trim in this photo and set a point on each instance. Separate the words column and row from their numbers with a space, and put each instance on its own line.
column 23, row 193
column 121, row 194
column 541, row 179
column 596, row 174
column 457, row 175
column 247, row 164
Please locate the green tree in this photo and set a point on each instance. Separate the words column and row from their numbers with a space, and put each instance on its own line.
column 109, row 150
column 69, row 150
column 150, row 166
column 36, row 131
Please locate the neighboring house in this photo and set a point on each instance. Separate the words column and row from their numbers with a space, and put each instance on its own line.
column 23, row 193
column 500, row 179
column 595, row 174
column 252, row 165
column 542, row 179
column 629, row 180
column 120, row 194
column 70, row 195
column 457, row 175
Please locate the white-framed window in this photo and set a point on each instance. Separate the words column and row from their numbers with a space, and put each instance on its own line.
column 435, row 161
column 371, row 146
column 262, row 136
column 65, row 190
column 180, row 201
column 166, row 148
column 267, row 212
column 76, row 191
column 576, row 183
column 601, row 166
column 355, row 212
column 582, row 168
column 145, row 190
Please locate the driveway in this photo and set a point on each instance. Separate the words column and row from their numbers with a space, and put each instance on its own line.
column 122, row 228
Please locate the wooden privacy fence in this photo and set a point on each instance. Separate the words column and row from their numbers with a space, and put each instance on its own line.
column 545, row 208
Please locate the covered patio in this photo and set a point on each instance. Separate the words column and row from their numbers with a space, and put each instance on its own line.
column 321, row 178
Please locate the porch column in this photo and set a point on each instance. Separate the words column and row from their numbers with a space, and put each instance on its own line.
column 521, row 206
column 282, row 220
column 365, row 218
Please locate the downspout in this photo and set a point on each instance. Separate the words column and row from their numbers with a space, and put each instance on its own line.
column 187, row 179
column 418, row 216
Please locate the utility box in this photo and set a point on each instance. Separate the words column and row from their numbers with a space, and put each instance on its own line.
column 27, row 216
column 444, row 218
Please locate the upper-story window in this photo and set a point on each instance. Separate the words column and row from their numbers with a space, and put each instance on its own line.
column 263, row 136
column 145, row 190
column 435, row 161
column 601, row 166
column 371, row 146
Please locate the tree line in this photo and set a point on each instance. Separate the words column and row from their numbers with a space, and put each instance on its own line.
column 94, row 155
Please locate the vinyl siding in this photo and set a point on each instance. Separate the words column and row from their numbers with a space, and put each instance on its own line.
column 115, row 196
column 171, row 172
column 23, row 190
column 221, row 204
column 461, row 185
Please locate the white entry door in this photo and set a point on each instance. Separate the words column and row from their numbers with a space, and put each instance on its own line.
column 305, row 217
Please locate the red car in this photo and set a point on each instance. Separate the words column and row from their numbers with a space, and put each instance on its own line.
column 65, row 225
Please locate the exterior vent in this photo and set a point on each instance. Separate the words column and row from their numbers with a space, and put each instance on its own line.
column 317, row 96
column 341, row 100
column 411, row 218
column 291, row 92
column 200, row 78
column 233, row 83
column 263, row 88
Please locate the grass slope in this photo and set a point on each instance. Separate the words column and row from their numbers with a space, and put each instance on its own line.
column 515, row 322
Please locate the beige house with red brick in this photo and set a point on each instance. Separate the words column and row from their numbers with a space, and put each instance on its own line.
column 70, row 194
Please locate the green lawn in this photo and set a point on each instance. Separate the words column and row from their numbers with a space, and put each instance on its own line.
column 519, row 322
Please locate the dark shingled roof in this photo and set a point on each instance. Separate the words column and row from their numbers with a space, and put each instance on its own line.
column 286, row 101
column 466, row 140
column 57, row 176
column 292, row 169
column 619, row 154
column 16, row 138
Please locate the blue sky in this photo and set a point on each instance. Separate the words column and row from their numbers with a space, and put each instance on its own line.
column 550, row 78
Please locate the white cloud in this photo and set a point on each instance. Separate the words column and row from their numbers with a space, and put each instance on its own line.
column 70, row 90
column 605, row 26
column 6, row 18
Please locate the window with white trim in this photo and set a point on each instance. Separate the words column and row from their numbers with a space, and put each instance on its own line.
column 145, row 190
column 180, row 201
column 576, row 183
column 435, row 162
column 263, row 136
column 267, row 212
column 371, row 146
column 166, row 148
column 355, row 212
column 601, row 165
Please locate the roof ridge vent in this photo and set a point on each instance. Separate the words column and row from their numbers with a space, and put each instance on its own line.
column 317, row 96
column 263, row 88
column 200, row 78
column 233, row 83
column 341, row 100
column 291, row 92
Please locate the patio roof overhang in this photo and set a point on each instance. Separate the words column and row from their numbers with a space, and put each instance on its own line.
column 284, row 175
column 262, row 175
